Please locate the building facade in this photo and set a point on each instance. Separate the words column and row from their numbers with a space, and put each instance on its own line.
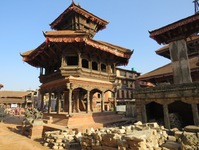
column 10, row 99
column 126, row 83
column 76, row 71
column 126, row 80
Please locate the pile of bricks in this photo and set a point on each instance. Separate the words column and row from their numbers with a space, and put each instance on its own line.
column 60, row 139
column 149, row 136
column 138, row 136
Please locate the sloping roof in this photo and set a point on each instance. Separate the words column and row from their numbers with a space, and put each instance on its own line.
column 164, row 51
column 166, row 70
column 11, row 100
column 76, row 8
column 68, row 36
column 16, row 94
column 178, row 30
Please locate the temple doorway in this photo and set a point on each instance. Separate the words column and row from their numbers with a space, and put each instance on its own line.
column 180, row 114
column 155, row 113
column 79, row 100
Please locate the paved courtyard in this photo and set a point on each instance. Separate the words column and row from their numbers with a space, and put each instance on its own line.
column 10, row 137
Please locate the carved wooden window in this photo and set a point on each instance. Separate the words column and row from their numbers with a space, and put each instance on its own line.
column 123, row 94
column 94, row 66
column 72, row 60
column 103, row 67
column 85, row 63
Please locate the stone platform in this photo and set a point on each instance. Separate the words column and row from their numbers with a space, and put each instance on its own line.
column 82, row 121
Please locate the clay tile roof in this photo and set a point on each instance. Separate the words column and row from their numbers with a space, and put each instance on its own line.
column 16, row 94
column 68, row 36
column 65, row 33
column 178, row 30
column 26, row 53
column 164, row 51
column 166, row 70
column 76, row 8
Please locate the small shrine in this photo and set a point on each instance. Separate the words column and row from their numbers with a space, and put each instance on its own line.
column 77, row 73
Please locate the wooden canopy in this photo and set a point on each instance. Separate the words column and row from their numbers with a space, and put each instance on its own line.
column 177, row 30
column 56, row 41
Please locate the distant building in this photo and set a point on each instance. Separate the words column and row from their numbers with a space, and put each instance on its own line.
column 15, row 98
column 126, row 83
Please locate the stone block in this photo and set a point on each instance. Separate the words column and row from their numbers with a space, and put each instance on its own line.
column 171, row 138
column 171, row 145
column 178, row 134
column 191, row 128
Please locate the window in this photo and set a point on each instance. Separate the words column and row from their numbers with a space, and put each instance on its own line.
column 84, row 63
column 103, row 67
column 94, row 66
column 72, row 60
column 122, row 94
column 123, row 73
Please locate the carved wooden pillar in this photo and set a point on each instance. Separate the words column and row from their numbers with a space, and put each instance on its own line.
column 66, row 101
column 70, row 102
column 115, row 99
column 76, row 101
column 42, row 102
column 79, row 60
column 49, row 102
column 58, row 102
column 102, row 102
column 144, row 116
column 166, row 116
column 90, row 65
column 88, row 102
column 195, row 114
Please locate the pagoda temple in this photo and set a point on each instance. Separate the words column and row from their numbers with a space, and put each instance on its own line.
column 174, row 101
column 77, row 72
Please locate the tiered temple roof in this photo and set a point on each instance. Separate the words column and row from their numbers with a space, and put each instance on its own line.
column 77, row 33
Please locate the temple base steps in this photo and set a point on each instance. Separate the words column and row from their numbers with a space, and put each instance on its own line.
column 83, row 121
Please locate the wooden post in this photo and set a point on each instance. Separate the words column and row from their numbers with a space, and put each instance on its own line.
column 195, row 114
column 49, row 102
column 144, row 116
column 58, row 102
column 42, row 102
column 88, row 102
column 102, row 102
column 166, row 116
column 70, row 102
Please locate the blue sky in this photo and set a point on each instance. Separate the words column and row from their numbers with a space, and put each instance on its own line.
column 23, row 21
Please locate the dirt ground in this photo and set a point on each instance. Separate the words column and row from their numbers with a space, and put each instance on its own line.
column 11, row 138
